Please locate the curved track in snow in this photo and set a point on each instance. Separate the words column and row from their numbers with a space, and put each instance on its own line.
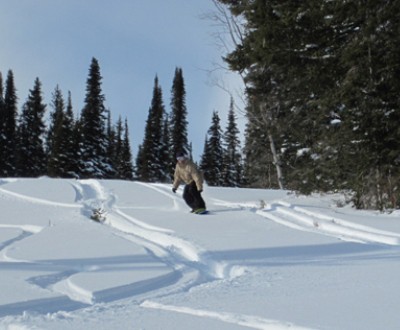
column 302, row 219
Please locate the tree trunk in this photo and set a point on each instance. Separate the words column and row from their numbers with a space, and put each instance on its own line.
column 277, row 161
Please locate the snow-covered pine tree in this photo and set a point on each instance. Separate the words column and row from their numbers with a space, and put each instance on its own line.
column 288, row 69
column 205, row 161
column 232, row 160
column 126, row 170
column 261, row 56
column 151, row 167
column 167, row 157
column 61, row 152
column 94, row 141
column 139, row 169
column 212, row 159
column 111, row 153
column 72, row 146
column 55, row 135
column 369, row 91
column 322, row 87
column 117, row 148
column 2, row 128
column 8, row 128
column 178, row 123
column 305, row 95
column 31, row 150
column 123, row 156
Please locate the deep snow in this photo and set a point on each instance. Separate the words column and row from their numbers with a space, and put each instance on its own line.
column 262, row 259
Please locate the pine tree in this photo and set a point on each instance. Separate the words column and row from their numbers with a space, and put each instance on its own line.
column 259, row 171
column 94, row 143
column 212, row 159
column 72, row 136
column 1, row 97
column 309, row 136
column 54, row 134
column 112, row 171
column 8, row 135
column 140, row 169
column 322, row 81
column 206, row 161
column 167, row 157
column 179, row 139
column 123, row 156
column 126, row 169
column 369, row 92
column 62, row 155
column 264, row 58
column 152, row 167
column 190, row 151
column 117, row 149
column 232, row 160
column 2, row 128
column 287, row 65
column 31, row 149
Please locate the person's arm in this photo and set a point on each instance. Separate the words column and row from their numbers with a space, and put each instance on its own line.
column 177, row 179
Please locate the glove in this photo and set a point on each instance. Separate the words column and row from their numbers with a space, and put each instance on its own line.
column 174, row 190
column 201, row 190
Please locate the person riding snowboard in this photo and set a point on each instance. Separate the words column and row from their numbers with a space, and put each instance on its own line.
column 186, row 171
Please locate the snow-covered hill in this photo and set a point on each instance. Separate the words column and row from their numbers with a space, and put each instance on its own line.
column 261, row 259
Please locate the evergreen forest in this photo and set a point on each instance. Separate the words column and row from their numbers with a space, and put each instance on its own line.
column 90, row 145
column 322, row 85
column 63, row 146
column 322, row 93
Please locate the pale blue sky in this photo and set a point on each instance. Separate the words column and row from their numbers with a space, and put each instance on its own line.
column 133, row 40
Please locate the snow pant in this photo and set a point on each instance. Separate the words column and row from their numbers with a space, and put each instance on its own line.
column 193, row 197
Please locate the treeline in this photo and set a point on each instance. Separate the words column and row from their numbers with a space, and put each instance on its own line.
column 92, row 146
column 89, row 146
column 323, row 94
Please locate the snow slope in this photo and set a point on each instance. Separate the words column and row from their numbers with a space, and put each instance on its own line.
column 261, row 259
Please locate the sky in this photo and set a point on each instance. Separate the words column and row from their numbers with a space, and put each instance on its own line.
column 133, row 41
column 261, row 259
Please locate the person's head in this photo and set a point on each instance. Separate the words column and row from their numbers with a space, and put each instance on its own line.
column 181, row 156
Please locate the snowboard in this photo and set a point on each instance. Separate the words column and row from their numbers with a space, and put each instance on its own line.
column 201, row 211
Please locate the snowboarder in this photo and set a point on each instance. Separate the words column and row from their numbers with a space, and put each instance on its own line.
column 188, row 172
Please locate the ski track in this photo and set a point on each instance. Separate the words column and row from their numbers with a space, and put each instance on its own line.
column 164, row 244
column 26, row 231
column 249, row 321
column 288, row 214
column 300, row 218
column 89, row 195
column 35, row 200
column 190, row 264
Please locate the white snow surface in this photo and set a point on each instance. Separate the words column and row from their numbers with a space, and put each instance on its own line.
column 261, row 259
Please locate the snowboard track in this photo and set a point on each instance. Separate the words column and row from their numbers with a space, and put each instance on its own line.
column 300, row 218
column 189, row 265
